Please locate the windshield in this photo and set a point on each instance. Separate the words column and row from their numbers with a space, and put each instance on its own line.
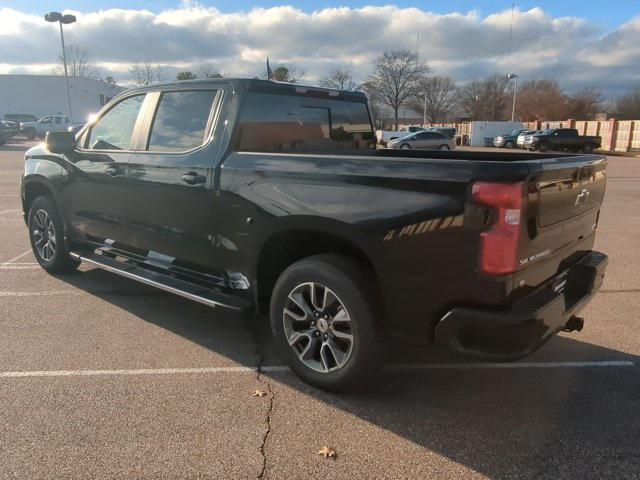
column 517, row 131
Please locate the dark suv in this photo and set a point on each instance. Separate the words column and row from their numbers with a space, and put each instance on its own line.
column 270, row 197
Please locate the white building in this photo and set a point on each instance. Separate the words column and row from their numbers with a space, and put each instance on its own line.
column 41, row 95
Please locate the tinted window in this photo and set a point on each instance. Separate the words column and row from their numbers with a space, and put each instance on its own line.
column 113, row 130
column 284, row 123
column 181, row 120
column 58, row 120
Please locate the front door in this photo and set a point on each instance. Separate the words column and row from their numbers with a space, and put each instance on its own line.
column 95, row 197
column 170, row 193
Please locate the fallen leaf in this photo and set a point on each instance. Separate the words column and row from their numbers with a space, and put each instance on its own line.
column 327, row 452
column 259, row 393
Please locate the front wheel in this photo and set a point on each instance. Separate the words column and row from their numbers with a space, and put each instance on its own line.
column 30, row 134
column 588, row 148
column 543, row 147
column 46, row 234
column 444, row 148
column 323, row 316
column 509, row 144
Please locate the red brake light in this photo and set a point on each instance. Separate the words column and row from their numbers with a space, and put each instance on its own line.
column 499, row 244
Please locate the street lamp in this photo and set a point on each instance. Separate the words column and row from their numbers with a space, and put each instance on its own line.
column 424, row 110
column 515, row 87
column 66, row 19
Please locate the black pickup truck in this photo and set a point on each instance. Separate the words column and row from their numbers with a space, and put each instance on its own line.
column 563, row 139
column 269, row 197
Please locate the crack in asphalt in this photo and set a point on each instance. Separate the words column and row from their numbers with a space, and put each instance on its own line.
column 255, row 331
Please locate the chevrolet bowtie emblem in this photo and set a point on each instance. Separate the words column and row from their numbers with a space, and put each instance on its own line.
column 582, row 197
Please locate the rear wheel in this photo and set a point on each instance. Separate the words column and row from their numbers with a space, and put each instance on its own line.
column 509, row 144
column 323, row 314
column 405, row 146
column 444, row 147
column 46, row 234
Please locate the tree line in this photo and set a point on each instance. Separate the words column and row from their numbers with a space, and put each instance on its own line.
column 399, row 79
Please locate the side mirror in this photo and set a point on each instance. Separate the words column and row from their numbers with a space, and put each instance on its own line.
column 60, row 142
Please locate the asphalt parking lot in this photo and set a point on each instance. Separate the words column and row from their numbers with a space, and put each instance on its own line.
column 101, row 377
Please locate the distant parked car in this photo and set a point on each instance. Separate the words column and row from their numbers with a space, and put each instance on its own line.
column 6, row 132
column 75, row 128
column 523, row 136
column 423, row 140
column 563, row 139
column 48, row 123
column 18, row 118
column 384, row 136
column 448, row 131
column 508, row 140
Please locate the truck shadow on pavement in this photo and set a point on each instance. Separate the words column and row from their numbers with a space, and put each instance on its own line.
column 502, row 423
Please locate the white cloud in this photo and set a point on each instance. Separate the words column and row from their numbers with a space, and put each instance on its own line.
column 465, row 45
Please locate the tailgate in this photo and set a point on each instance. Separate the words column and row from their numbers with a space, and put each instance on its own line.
column 570, row 187
column 563, row 215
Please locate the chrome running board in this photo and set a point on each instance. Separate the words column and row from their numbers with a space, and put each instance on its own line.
column 132, row 271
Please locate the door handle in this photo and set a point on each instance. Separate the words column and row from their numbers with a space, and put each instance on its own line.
column 114, row 171
column 193, row 178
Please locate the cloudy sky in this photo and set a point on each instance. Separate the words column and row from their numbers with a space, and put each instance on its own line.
column 579, row 43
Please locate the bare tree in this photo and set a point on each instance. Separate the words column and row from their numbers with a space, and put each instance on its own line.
column 144, row 73
column 207, row 70
column 586, row 103
column 341, row 80
column 376, row 106
column 287, row 73
column 541, row 99
column 627, row 106
column 395, row 78
column 436, row 98
column 486, row 99
column 79, row 63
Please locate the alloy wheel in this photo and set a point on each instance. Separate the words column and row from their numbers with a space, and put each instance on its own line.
column 44, row 235
column 317, row 327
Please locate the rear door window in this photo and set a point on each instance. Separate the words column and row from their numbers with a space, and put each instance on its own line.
column 181, row 120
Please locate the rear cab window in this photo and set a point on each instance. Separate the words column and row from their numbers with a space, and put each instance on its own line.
column 290, row 123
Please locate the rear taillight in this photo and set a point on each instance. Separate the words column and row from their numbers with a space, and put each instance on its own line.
column 499, row 244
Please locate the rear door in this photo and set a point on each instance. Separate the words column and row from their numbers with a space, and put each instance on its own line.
column 170, row 181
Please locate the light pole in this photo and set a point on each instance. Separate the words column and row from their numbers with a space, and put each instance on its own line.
column 424, row 111
column 515, row 87
column 66, row 19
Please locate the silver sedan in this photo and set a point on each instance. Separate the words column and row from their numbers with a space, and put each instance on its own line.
column 423, row 140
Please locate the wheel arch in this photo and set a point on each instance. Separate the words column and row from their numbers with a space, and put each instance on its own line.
column 285, row 247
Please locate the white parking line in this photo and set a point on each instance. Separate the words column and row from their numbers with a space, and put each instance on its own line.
column 41, row 294
column 284, row 368
column 18, row 257
column 18, row 267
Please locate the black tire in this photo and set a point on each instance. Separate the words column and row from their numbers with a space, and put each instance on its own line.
column 543, row 147
column 30, row 134
column 509, row 144
column 444, row 148
column 588, row 148
column 353, row 288
column 405, row 146
column 58, row 260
